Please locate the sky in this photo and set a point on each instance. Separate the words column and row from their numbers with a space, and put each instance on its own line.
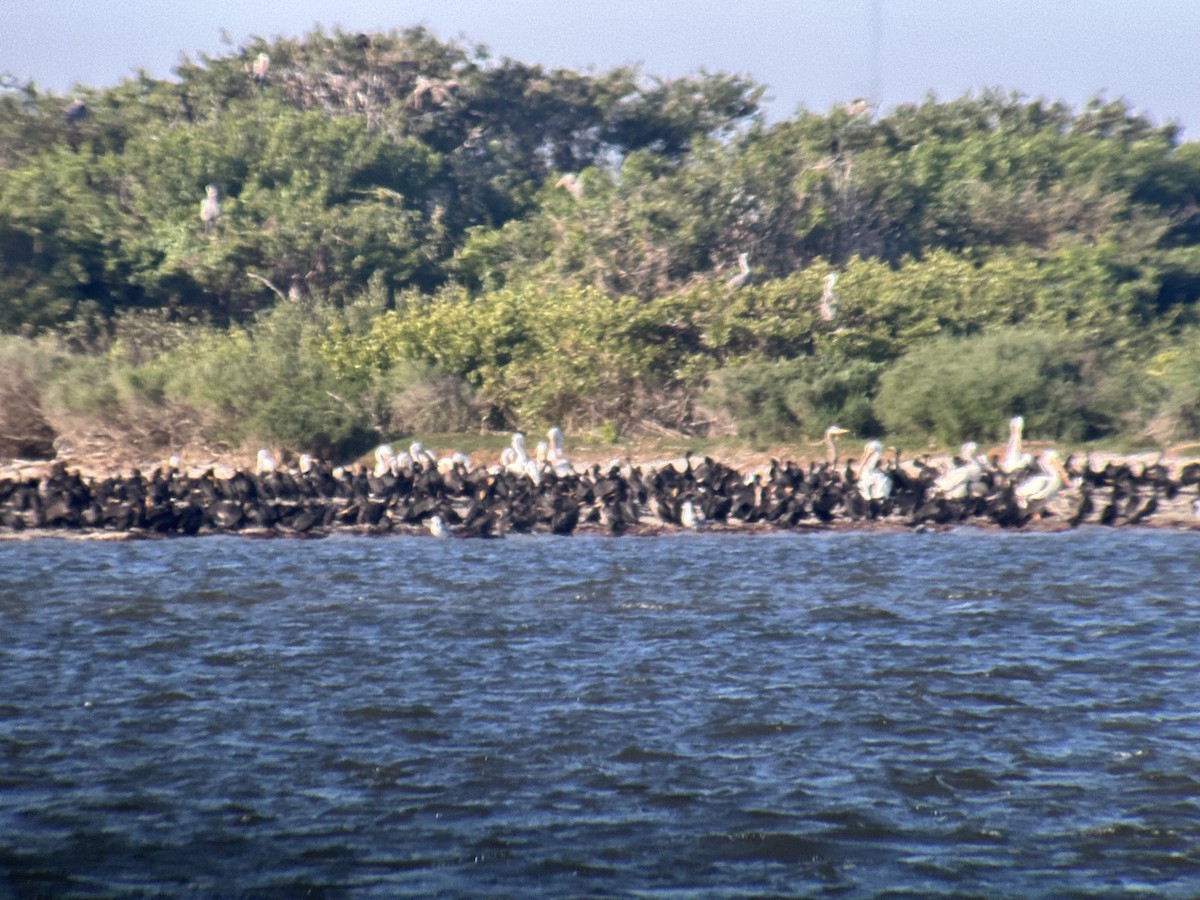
column 807, row 53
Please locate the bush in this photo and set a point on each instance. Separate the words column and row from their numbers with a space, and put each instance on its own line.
column 24, row 431
column 955, row 389
column 780, row 400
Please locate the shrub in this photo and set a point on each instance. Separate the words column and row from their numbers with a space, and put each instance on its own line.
column 24, row 430
column 954, row 389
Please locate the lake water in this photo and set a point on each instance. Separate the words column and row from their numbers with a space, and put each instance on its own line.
column 970, row 713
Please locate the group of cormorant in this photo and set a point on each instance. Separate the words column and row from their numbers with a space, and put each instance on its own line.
column 416, row 492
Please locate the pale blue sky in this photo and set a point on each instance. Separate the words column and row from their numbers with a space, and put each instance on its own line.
column 810, row 52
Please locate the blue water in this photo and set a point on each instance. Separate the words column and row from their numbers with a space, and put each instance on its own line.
column 972, row 713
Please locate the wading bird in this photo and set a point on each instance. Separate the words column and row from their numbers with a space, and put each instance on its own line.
column 210, row 208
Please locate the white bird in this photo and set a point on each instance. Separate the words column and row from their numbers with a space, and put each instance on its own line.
column 210, row 207
column 556, row 456
column 832, row 434
column 306, row 463
column 1045, row 486
column 740, row 277
column 873, row 482
column 418, row 454
column 438, row 527
column 1014, row 459
column 514, row 457
column 264, row 463
column 829, row 300
column 690, row 516
column 385, row 459
column 956, row 483
column 262, row 63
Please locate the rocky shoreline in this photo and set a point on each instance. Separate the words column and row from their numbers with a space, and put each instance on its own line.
column 457, row 496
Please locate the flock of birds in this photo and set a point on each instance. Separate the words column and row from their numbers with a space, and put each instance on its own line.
column 416, row 491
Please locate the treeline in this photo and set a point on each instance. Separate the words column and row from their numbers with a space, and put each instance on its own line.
column 411, row 235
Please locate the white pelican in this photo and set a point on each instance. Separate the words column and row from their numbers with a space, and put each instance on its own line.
column 740, row 277
column 385, row 459
column 1014, row 459
column 956, row 484
column 829, row 300
column 1045, row 486
column 514, row 456
column 264, row 463
column 210, row 207
column 457, row 458
column 418, row 454
column 873, row 483
column 556, row 455
column 690, row 516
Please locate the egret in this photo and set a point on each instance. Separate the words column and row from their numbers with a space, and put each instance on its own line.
column 210, row 208
column 743, row 275
column 262, row 63
column 829, row 300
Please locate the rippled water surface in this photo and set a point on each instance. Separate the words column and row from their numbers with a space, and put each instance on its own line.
column 964, row 713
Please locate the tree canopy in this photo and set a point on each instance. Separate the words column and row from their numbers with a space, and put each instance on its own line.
column 560, row 244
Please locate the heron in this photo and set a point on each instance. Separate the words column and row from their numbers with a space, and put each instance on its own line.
column 829, row 300
column 832, row 433
column 210, row 208
column 743, row 275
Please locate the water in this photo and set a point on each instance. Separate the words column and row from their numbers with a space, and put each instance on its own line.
column 966, row 713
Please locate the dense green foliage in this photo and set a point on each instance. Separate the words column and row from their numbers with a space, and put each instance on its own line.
column 415, row 236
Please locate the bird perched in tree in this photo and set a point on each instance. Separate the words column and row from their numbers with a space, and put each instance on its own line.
column 829, row 300
column 210, row 208
column 262, row 64
column 743, row 275
column 76, row 112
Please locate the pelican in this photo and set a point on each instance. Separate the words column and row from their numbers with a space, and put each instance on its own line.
column 556, row 455
column 385, row 459
column 689, row 515
column 956, row 483
column 418, row 454
column 743, row 275
column 264, row 463
column 1013, row 459
column 438, row 527
column 829, row 300
column 873, row 483
column 514, row 456
column 1045, row 486
column 210, row 208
